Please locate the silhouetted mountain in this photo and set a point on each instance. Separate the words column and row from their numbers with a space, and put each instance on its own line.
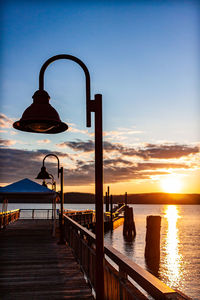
column 79, row 198
column 146, row 198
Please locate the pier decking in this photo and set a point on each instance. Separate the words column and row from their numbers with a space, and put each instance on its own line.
column 34, row 266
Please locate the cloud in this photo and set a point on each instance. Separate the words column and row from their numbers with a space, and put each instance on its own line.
column 149, row 151
column 121, row 163
column 79, row 145
column 45, row 141
column 117, row 170
column 17, row 164
column 121, row 134
column 89, row 146
column 167, row 151
column 6, row 143
column 13, row 132
column 5, row 122
column 46, row 151
column 76, row 130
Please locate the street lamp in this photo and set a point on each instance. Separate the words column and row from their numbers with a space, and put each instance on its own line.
column 43, row 174
column 41, row 117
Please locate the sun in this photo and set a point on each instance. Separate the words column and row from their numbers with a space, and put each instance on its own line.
column 171, row 184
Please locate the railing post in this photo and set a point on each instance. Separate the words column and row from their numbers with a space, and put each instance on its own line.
column 122, row 277
column 80, row 247
column 4, row 221
column 122, row 273
column 62, row 241
column 111, row 212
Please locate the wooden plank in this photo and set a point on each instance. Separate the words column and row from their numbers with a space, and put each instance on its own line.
column 34, row 266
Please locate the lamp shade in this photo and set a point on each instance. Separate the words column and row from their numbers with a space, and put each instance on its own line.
column 40, row 116
column 43, row 174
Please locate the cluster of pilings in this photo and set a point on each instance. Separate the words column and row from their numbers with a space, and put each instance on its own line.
column 109, row 208
column 153, row 225
column 152, row 245
column 129, row 230
column 108, row 200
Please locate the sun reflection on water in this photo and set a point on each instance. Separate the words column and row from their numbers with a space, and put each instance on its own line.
column 173, row 257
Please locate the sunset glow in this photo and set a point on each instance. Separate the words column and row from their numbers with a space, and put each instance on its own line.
column 171, row 184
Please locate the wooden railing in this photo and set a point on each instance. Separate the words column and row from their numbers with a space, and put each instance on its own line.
column 8, row 217
column 37, row 213
column 119, row 279
column 115, row 214
column 84, row 218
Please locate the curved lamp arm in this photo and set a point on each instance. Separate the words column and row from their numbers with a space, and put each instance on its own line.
column 89, row 102
column 51, row 154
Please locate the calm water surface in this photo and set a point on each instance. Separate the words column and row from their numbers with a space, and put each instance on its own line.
column 179, row 265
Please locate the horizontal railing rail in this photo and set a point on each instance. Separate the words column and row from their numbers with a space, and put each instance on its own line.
column 38, row 213
column 8, row 217
column 119, row 280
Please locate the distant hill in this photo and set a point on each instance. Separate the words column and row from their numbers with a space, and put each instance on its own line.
column 160, row 198
column 81, row 198
column 146, row 198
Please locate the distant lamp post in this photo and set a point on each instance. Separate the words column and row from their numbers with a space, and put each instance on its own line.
column 43, row 174
column 41, row 117
column 53, row 183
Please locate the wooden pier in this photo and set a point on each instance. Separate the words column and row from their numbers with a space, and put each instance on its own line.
column 125, row 281
column 34, row 266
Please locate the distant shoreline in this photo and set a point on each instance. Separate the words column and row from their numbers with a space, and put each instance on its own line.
column 86, row 198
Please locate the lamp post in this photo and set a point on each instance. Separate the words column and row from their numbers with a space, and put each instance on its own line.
column 41, row 117
column 43, row 174
column 53, row 182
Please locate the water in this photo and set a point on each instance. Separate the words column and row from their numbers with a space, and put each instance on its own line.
column 179, row 265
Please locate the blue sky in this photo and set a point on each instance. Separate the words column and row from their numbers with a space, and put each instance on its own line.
column 143, row 56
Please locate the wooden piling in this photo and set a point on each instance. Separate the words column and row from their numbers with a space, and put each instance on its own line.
column 152, row 248
column 129, row 230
